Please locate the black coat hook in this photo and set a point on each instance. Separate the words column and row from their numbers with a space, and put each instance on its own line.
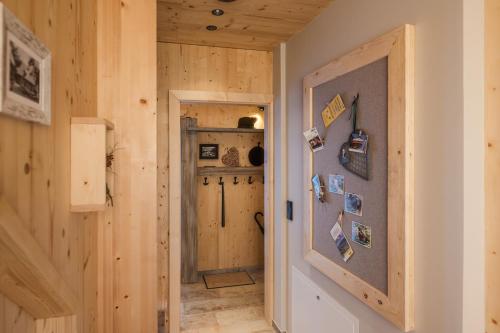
column 250, row 180
column 235, row 181
column 223, row 206
column 205, row 182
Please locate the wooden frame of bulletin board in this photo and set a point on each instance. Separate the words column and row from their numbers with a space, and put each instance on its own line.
column 397, row 305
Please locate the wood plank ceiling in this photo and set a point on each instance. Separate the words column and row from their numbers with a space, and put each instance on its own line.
column 245, row 24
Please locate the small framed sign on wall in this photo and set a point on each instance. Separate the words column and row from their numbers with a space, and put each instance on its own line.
column 209, row 151
column 25, row 72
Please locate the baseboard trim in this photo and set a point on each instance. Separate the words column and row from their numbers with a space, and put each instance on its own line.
column 277, row 329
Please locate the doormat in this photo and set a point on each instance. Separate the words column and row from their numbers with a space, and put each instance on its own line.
column 224, row 280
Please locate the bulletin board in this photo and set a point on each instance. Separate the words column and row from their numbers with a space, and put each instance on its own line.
column 381, row 72
column 370, row 81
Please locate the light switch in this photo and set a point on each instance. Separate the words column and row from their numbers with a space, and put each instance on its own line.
column 289, row 210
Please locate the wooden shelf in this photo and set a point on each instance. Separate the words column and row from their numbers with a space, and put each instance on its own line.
column 224, row 130
column 93, row 121
column 90, row 138
column 210, row 171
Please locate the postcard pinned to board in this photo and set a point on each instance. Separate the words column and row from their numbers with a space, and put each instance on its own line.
column 336, row 184
column 318, row 188
column 333, row 110
column 341, row 242
column 361, row 234
column 314, row 140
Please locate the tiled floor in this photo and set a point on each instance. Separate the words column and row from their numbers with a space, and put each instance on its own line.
column 224, row 310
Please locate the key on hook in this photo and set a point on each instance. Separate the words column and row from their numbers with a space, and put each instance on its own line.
column 235, row 181
column 250, row 181
column 205, row 182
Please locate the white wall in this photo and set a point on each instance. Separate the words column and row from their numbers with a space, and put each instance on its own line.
column 439, row 149
column 280, row 222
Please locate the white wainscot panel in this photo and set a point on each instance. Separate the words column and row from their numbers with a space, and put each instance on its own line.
column 313, row 310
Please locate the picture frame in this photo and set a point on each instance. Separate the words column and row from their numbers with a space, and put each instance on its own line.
column 209, row 151
column 25, row 72
column 397, row 304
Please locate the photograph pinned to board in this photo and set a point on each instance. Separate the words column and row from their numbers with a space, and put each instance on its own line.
column 314, row 140
column 333, row 110
column 341, row 242
column 336, row 184
column 361, row 234
column 318, row 188
column 353, row 204
column 25, row 85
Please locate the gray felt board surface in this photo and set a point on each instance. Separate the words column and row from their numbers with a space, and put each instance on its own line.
column 371, row 83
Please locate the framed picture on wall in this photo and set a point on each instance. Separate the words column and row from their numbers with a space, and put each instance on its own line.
column 25, row 72
column 209, row 151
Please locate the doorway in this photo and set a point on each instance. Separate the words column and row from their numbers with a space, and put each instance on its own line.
column 176, row 99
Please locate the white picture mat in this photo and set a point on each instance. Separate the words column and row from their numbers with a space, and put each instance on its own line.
column 9, row 93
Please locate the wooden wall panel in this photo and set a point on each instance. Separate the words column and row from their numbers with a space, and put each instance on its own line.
column 240, row 243
column 108, row 105
column 492, row 164
column 127, row 97
column 191, row 67
column 34, row 175
column 113, row 75
column 62, row 324
column 13, row 319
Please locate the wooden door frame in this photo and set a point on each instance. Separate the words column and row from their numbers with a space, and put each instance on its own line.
column 176, row 98
column 491, row 168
